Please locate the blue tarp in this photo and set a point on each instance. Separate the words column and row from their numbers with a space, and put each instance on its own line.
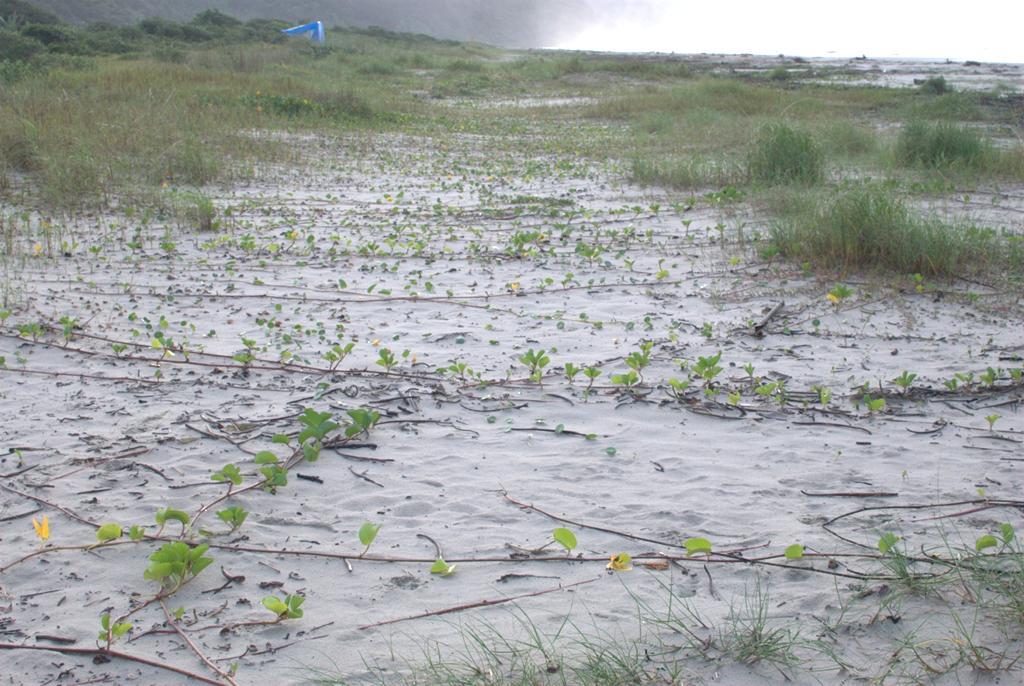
column 314, row 29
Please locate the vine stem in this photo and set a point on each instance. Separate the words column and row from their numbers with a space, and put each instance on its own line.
column 195, row 649
column 106, row 652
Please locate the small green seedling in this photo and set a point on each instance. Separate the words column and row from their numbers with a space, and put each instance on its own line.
column 337, row 354
column 136, row 532
column 227, row 473
column 233, row 516
column 629, row 379
column 535, row 361
column 905, row 380
column 565, row 538
column 707, row 368
column 571, row 371
column 638, row 360
column 316, row 425
column 678, row 388
column 992, row 419
column 367, row 534
column 289, row 608
column 386, row 359
column 111, row 632
column 875, row 404
column 749, row 369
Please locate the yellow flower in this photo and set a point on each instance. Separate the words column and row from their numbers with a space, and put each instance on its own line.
column 257, row 94
column 42, row 528
column 620, row 562
column 514, row 286
column 832, row 298
column 293, row 234
column 37, row 249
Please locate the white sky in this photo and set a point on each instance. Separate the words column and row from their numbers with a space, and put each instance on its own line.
column 983, row 30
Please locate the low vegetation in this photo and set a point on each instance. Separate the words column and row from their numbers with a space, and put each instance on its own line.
column 870, row 227
column 135, row 127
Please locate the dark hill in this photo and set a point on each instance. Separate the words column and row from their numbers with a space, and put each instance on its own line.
column 511, row 23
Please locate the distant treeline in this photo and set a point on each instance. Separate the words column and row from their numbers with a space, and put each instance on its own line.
column 511, row 23
column 27, row 32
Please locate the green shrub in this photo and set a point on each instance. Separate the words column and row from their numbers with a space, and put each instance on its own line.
column 784, row 155
column 17, row 12
column 939, row 145
column 936, row 85
column 16, row 47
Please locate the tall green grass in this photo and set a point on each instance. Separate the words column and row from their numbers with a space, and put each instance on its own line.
column 868, row 227
column 940, row 145
column 785, row 155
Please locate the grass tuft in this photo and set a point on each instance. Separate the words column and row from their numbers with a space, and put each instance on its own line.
column 784, row 155
column 867, row 226
column 940, row 145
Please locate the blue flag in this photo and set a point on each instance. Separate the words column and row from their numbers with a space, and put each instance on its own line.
column 314, row 29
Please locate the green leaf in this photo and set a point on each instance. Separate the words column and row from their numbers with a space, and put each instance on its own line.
column 281, row 439
column 158, row 570
column 697, row 546
column 564, row 537
column 368, row 532
column 109, row 532
column 177, row 515
column 1006, row 530
column 887, row 542
column 275, row 605
column 294, row 603
column 794, row 552
column 136, row 532
column 441, row 567
column 986, row 541
column 265, row 457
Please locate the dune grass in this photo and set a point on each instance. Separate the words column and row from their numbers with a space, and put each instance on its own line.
column 867, row 226
column 940, row 144
column 785, row 155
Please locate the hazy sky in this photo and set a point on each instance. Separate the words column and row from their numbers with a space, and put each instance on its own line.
column 983, row 30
